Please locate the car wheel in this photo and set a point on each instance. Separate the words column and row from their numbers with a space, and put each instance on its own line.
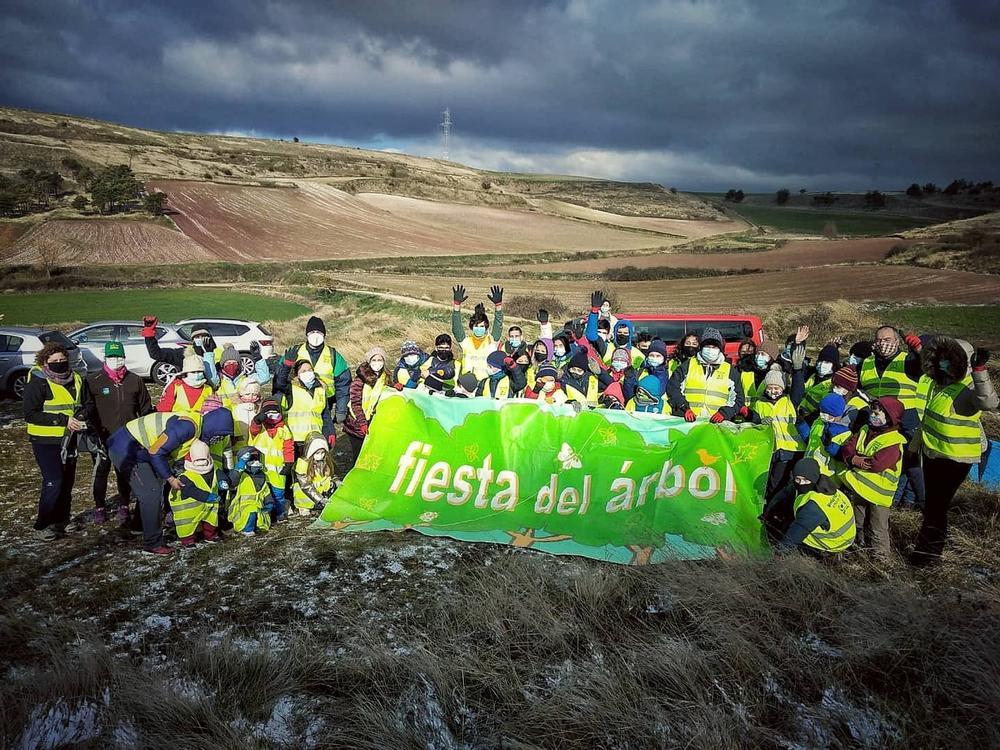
column 247, row 363
column 162, row 372
column 17, row 385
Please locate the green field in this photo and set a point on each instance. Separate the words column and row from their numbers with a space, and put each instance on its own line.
column 813, row 221
column 976, row 323
column 49, row 308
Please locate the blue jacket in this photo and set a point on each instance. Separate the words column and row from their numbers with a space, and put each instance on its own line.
column 600, row 344
column 126, row 451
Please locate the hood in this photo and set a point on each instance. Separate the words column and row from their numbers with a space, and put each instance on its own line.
column 579, row 359
column 893, row 410
column 244, row 455
column 631, row 331
column 218, row 422
column 566, row 337
column 614, row 391
column 316, row 443
column 652, row 385
column 944, row 349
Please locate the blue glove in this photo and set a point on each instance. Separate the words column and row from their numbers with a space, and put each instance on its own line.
column 213, row 498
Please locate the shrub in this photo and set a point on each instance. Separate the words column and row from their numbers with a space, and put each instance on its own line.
column 80, row 203
column 525, row 306
column 781, row 197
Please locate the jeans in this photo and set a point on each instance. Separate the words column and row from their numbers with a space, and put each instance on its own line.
column 944, row 477
column 148, row 488
column 872, row 522
column 57, row 485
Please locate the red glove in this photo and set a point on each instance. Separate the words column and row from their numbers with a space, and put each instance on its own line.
column 745, row 412
column 717, row 417
column 363, row 429
column 331, row 440
column 508, row 363
column 913, row 341
column 398, row 386
column 689, row 416
column 149, row 327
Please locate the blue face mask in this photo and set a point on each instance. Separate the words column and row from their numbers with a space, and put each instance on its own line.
column 617, row 365
column 762, row 360
column 944, row 365
column 479, row 331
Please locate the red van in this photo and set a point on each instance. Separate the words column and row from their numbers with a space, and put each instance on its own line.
column 673, row 328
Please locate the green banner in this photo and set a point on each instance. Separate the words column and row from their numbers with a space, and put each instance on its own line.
column 609, row 485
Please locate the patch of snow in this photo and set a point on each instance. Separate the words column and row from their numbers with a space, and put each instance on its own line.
column 420, row 712
column 157, row 622
column 814, row 643
column 58, row 723
column 279, row 728
column 125, row 736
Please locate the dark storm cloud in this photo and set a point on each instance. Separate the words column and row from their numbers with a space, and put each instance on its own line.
column 696, row 93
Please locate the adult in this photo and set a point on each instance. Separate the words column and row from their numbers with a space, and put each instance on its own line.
column 304, row 402
column 823, row 517
column 951, row 434
column 119, row 396
column 56, row 410
column 366, row 389
column 480, row 342
column 149, row 449
column 330, row 367
column 706, row 386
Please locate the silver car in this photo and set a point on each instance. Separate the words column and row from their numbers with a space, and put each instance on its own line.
column 92, row 338
column 240, row 333
column 18, row 347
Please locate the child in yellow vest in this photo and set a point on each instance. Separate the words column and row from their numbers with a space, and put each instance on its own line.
column 195, row 505
column 270, row 435
column 777, row 408
column 314, row 478
column 252, row 503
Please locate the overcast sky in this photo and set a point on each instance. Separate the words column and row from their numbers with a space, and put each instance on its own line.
column 701, row 95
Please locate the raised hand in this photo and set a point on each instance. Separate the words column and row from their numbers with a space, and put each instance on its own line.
column 459, row 295
column 801, row 334
column 596, row 300
column 543, row 316
column 979, row 358
column 496, row 295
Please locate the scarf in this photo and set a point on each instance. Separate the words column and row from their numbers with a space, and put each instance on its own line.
column 58, row 378
column 117, row 375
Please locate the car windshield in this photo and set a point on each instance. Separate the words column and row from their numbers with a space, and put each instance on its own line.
column 731, row 330
column 57, row 337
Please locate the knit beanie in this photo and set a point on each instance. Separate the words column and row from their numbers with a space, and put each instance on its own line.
column 409, row 347
column 375, row 351
column 833, row 404
column 807, row 468
column 193, row 363
column 114, row 349
column 229, row 354
column 315, row 324
column 829, row 353
column 774, row 377
column 768, row 347
column 579, row 359
column 710, row 335
column 547, row 370
column 862, row 350
column 846, row 378
column 621, row 355
column 495, row 359
column 210, row 404
column 657, row 346
column 468, row 382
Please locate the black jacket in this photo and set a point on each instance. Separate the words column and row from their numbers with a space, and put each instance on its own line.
column 37, row 392
column 114, row 404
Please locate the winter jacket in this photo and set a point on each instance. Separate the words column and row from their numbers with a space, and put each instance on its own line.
column 410, row 377
column 341, row 373
column 356, row 423
column 115, row 404
column 888, row 457
column 37, row 392
column 679, row 404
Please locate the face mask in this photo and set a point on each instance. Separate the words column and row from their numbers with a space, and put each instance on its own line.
column 803, row 487
column 59, row 367
column 540, row 356
column 839, row 391
column 195, row 378
column 376, row 365
column 199, row 342
column 549, row 386
column 115, row 363
column 944, row 365
column 576, row 372
column 231, row 368
column 877, row 419
column 824, row 368
column 886, row 348
column 249, row 400
column 762, row 360
column 315, row 339
column 643, row 347
column 654, row 360
column 254, row 467
column 445, row 355
column 617, row 365
column 689, row 350
column 621, row 339
column 479, row 331
column 711, row 353
column 606, row 309
column 853, row 360
column 492, row 371
column 272, row 417
column 515, row 342
column 603, row 335
column 773, row 392
column 202, row 465
column 307, row 378
column 559, row 351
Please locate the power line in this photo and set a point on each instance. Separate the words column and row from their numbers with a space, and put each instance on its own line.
column 446, row 132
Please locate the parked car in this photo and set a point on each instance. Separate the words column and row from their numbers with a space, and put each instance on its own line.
column 239, row 333
column 92, row 338
column 18, row 347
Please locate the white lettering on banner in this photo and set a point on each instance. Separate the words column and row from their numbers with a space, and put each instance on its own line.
column 438, row 480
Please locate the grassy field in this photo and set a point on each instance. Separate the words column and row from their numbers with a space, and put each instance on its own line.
column 47, row 308
column 813, row 221
column 973, row 323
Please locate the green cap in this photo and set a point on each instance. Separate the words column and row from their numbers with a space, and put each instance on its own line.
column 114, row 349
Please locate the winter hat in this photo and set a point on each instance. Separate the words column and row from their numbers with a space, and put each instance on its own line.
column 829, row 353
column 651, row 385
column 249, row 388
column 833, row 404
column 409, row 347
column 215, row 424
column 200, row 332
column 314, row 443
column 495, row 359
column 847, row 378
column 656, row 346
column 193, row 363
column 807, row 468
column 468, row 382
column 768, row 347
column 315, row 324
column 862, row 350
column 114, row 349
column 245, row 455
column 229, row 354
column 614, row 396
column 210, row 404
column 199, row 458
column 547, row 370
column 712, row 334
column 968, row 348
column 774, row 377
column 621, row 355
column 270, row 404
column 893, row 409
column 375, row 351
column 580, row 360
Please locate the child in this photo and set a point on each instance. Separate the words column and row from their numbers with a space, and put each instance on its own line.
column 623, row 373
column 442, row 367
column 656, row 364
column 642, row 342
column 502, row 379
column 752, row 373
column 777, row 409
column 689, row 347
column 613, row 398
column 195, row 505
column 271, row 436
column 314, row 480
column 366, row 390
column 410, row 369
column 580, row 382
column 466, row 386
column 873, row 459
column 250, row 509
column 827, row 434
column 244, row 410
column 546, row 387
column 648, row 398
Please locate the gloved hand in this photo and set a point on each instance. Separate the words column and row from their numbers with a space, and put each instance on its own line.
column 716, row 418
column 286, row 469
column 331, row 440
column 212, row 498
column 577, row 406
column 690, row 416
column 209, row 345
column 363, row 429
column 596, row 300
column 508, row 363
column 496, row 295
column 861, row 462
column 543, row 316
column 258, row 418
column 149, row 327
column 798, row 357
column 594, row 366
column 459, row 295
column 913, row 341
column 223, row 485
column 979, row 359
column 745, row 412
column 397, row 385
column 255, row 350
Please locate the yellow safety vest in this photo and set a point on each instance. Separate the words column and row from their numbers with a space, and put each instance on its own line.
column 947, row 433
column 638, row 358
column 272, row 449
column 593, row 391
column 503, row 388
column 828, row 465
column 370, row 394
column 752, row 390
column 181, row 404
column 782, row 418
column 60, row 402
column 474, row 357
column 893, row 382
column 323, row 367
column 304, row 410
column 815, row 391
column 229, row 390
column 878, row 489
column 706, row 395
column 147, row 430
column 248, row 499
column 189, row 512
column 839, row 519
column 323, row 484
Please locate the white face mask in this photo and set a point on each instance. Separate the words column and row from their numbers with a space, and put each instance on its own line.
column 195, row 378
column 654, row 360
column 307, row 377
column 115, row 362
column 773, row 392
column 840, row 391
column 315, row 339
column 549, row 386
column 202, row 465
column 617, row 365
column 411, row 359
column 558, row 351
column 711, row 353
column 377, row 364
column 824, row 368
column 853, row 360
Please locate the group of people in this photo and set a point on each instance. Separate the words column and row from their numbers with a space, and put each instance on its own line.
column 897, row 422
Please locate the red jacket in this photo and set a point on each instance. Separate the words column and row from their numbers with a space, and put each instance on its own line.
column 886, row 458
